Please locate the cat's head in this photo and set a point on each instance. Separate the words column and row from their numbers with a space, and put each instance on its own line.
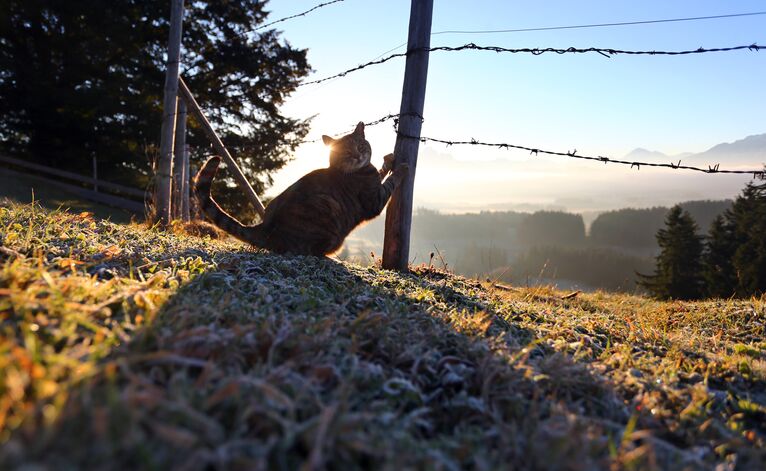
column 351, row 152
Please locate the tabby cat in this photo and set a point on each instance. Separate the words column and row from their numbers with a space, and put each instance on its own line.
column 315, row 214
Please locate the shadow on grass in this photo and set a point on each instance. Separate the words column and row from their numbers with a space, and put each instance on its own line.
column 283, row 363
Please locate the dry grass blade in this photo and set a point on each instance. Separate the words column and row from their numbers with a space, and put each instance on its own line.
column 571, row 295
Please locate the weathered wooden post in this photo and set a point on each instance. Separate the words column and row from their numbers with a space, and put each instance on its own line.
column 95, row 173
column 163, row 187
column 179, row 148
column 186, row 184
column 396, row 244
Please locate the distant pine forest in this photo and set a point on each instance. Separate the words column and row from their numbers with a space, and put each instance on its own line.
column 545, row 247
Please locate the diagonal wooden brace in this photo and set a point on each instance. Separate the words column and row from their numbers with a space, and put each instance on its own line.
column 220, row 149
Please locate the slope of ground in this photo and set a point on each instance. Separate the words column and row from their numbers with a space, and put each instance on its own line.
column 128, row 348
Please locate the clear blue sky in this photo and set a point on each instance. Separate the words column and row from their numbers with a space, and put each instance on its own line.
column 591, row 103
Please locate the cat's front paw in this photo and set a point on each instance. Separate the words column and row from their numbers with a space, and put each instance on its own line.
column 388, row 164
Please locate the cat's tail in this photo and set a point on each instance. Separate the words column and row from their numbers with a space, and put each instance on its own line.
column 202, row 184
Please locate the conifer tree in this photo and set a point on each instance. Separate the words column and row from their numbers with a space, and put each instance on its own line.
column 85, row 78
column 718, row 270
column 748, row 218
column 678, row 266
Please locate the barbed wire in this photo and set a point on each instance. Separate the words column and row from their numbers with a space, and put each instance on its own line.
column 606, row 52
column 211, row 45
column 760, row 174
column 381, row 120
column 321, row 5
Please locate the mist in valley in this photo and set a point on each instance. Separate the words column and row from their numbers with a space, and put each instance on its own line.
column 530, row 248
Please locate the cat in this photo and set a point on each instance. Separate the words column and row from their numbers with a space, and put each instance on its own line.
column 315, row 214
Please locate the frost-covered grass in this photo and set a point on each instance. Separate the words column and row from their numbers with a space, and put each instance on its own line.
column 123, row 347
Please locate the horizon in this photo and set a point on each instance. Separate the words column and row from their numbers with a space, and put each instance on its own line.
column 596, row 105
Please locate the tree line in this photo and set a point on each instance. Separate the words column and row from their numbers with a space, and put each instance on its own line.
column 636, row 227
column 542, row 246
column 730, row 261
column 628, row 228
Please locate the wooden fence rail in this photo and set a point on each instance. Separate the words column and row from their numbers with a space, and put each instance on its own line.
column 125, row 190
column 111, row 200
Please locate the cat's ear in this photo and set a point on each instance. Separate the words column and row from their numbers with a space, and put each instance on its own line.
column 327, row 140
column 359, row 129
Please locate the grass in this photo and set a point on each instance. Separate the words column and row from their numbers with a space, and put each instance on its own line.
column 123, row 347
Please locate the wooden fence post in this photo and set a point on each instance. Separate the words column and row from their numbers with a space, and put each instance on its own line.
column 244, row 185
column 396, row 244
column 179, row 148
column 162, row 194
column 95, row 173
column 185, row 189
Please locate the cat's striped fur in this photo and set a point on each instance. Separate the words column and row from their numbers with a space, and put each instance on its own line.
column 315, row 214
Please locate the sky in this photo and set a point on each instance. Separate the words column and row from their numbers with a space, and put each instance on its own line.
column 597, row 105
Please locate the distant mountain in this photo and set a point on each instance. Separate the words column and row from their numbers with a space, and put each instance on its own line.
column 640, row 154
column 748, row 151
